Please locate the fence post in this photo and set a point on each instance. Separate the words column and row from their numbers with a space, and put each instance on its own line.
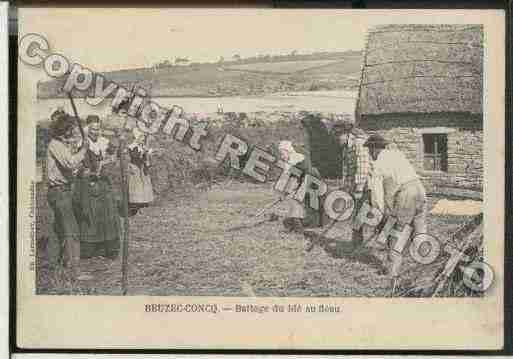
column 124, row 214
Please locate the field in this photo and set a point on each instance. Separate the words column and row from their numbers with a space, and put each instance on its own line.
column 216, row 79
column 283, row 67
column 188, row 244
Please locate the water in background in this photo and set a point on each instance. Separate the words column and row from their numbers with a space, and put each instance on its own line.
column 322, row 101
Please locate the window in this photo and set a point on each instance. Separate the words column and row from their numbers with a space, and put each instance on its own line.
column 435, row 152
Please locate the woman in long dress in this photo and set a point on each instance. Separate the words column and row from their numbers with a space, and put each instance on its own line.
column 95, row 203
column 296, row 212
column 299, row 214
column 140, row 188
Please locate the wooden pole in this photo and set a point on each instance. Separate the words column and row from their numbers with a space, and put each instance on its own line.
column 308, row 156
column 124, row 214
column 78, row 119
column 309, row 212
column 363, row 67
column 463, row 233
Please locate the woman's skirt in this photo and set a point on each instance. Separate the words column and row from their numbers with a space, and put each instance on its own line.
column 98, row 219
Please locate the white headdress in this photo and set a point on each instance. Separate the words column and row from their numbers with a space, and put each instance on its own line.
column 294, row 157
column 139, row 138
column 138, row 134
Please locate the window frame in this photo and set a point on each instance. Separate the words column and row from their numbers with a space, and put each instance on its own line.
column 420, row 149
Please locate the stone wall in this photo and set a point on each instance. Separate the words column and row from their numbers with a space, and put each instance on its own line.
column 464, row 150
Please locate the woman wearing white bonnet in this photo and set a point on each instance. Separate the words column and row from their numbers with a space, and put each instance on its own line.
column 140, row 188
column 296, row 210
column 289, row 153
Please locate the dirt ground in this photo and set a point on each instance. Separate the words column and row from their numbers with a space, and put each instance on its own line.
column 187, row 245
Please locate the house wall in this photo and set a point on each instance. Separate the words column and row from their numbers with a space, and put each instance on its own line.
column 464, row 148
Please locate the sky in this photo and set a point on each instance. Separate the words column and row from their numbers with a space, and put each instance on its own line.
column 144, row 37
column 111, row 39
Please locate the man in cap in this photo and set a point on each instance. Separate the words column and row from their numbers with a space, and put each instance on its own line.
column 397, row 191
column 355, row 156
column 62, row 167
column 355, row 166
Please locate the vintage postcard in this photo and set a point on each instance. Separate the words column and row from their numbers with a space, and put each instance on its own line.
column 260, row 179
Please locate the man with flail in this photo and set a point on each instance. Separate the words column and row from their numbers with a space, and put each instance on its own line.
column 355, row 166
column 62, row 167
column 396, row 191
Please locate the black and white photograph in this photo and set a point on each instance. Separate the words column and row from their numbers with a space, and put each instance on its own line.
column 258, row 154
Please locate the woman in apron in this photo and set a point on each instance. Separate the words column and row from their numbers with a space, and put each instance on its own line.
column 140, row 188
column 95, row 203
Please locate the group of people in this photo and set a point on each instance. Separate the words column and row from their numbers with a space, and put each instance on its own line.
column 86, row 208
column 374, row 170
column 87, row 211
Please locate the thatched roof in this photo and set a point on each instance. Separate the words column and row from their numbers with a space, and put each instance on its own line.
column 422, row 69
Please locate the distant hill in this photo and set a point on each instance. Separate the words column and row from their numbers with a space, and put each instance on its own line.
column 251, row 76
